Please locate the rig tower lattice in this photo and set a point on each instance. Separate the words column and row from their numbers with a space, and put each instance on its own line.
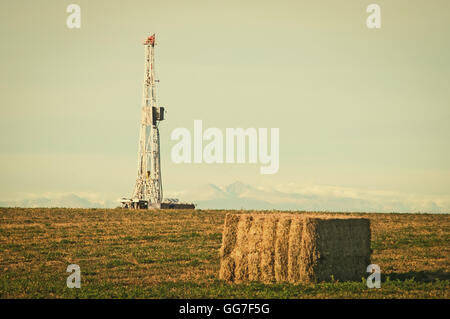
column 148, row 191
column 148, row 183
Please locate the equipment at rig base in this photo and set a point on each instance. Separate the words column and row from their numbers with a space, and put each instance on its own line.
column 148, row 191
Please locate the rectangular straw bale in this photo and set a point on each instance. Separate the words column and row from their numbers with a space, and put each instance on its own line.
column 293, row 248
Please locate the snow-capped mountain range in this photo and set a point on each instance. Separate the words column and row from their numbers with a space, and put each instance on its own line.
column 239, row 195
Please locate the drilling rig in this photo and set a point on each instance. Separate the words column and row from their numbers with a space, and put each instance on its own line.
column 148, row 191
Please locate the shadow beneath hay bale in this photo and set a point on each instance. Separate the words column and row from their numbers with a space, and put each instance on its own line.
column 419, row 276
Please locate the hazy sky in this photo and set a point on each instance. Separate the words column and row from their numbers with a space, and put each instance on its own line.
column 358, row 108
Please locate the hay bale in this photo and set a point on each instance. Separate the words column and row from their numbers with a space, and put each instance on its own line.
column 293, row 248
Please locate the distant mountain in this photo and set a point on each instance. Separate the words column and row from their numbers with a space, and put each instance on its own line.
column 68, row 200
column 239, row 195
column 236, row 203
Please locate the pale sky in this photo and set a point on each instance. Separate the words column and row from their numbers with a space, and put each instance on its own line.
column 359, row 108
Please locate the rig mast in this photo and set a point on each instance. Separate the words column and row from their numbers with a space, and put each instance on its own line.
column 148, row 183
column 148, row 191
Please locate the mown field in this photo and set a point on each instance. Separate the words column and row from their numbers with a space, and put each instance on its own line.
column 175, row 254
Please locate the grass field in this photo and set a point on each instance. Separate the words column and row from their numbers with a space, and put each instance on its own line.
column 175, row 254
